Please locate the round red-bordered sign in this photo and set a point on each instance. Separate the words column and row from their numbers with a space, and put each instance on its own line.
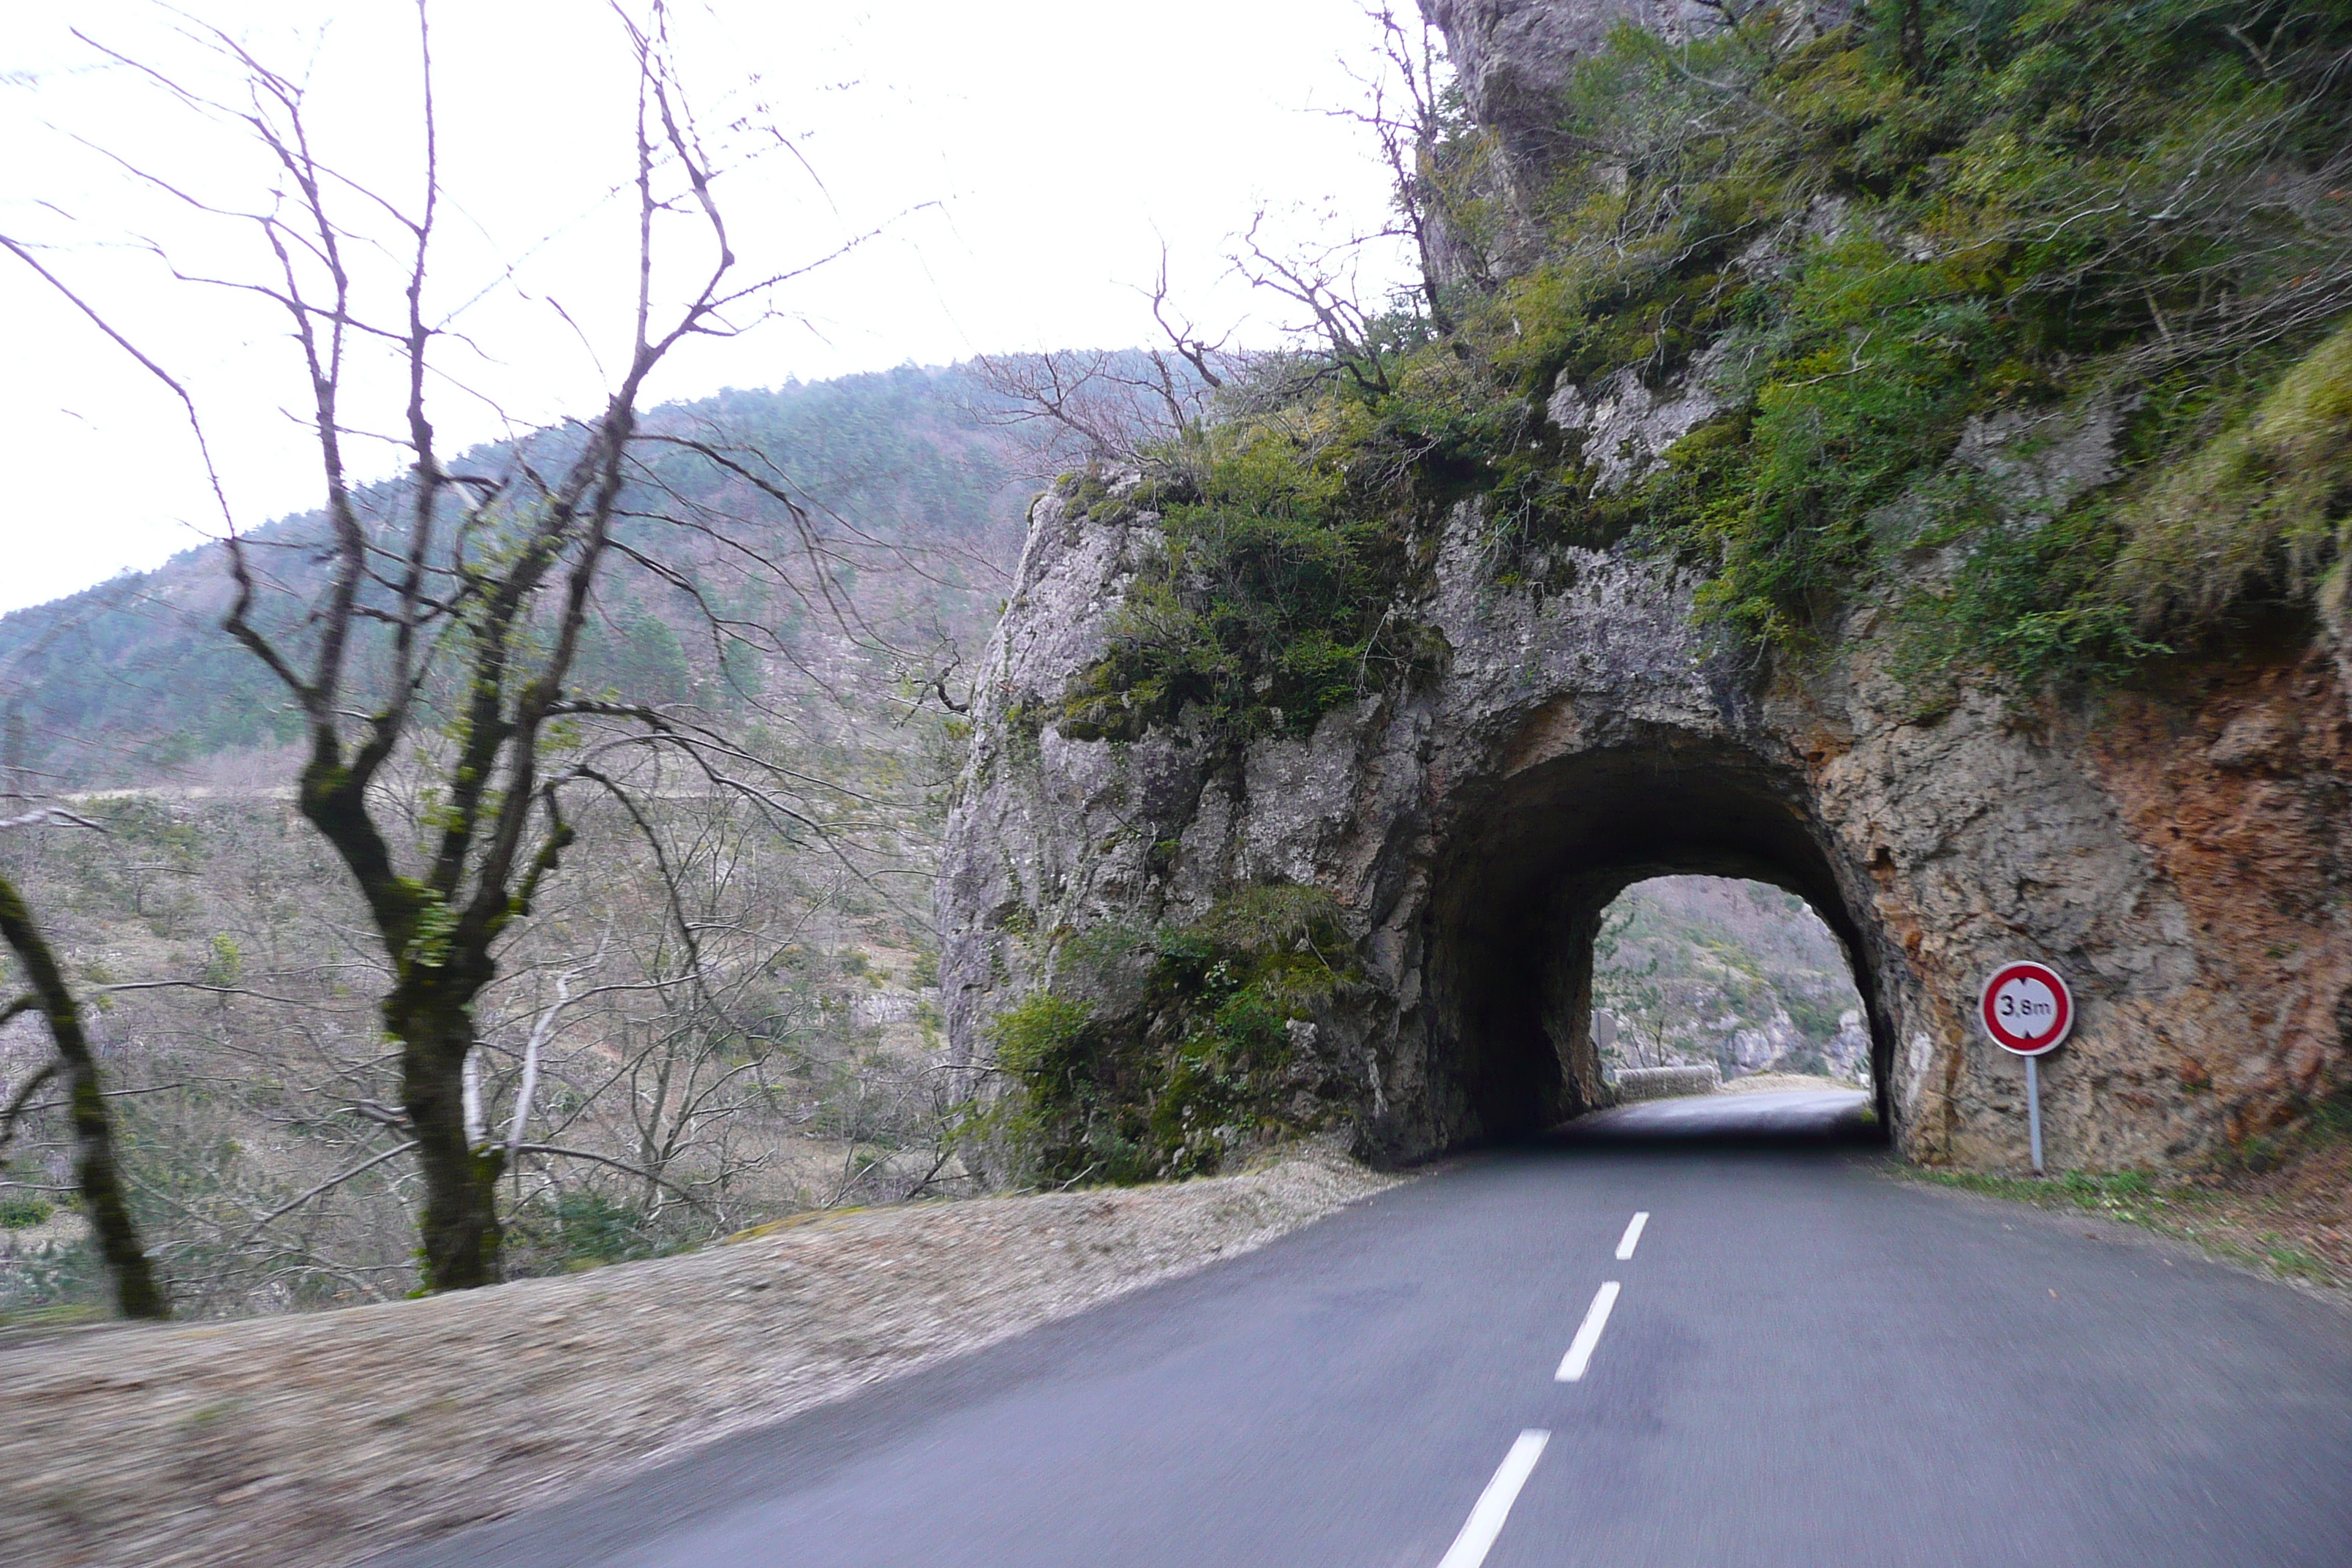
column 2026, row 1008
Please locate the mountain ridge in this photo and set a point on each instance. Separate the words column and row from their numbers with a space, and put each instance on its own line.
column 132, row 681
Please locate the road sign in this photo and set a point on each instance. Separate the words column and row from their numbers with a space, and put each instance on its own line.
column 2026, row 1008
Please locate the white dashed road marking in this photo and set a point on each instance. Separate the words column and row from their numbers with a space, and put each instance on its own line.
column 1486, row 1520
column 1588, row 1334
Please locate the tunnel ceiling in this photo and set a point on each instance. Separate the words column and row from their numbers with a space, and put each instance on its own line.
column 1606, row 820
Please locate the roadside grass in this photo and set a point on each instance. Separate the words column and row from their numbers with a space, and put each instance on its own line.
column 2288, row 1222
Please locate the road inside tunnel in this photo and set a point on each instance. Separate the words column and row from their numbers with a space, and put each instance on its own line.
column 1699, row 1125
column 1668, row 1335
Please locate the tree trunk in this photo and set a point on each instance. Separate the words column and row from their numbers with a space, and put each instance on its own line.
column 136, row 1290
column 460, row 1227
column 1912, row 40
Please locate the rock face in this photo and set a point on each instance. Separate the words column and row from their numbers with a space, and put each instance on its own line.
column 2180, row 854
column 1513, row 57
column 2182, row 857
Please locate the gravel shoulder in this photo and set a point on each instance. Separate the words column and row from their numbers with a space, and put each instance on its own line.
column 321, row 1438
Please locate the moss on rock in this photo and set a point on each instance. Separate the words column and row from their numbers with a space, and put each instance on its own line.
column 1203, row 1067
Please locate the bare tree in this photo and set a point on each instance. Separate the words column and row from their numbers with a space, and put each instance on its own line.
column 1109, row 406
column 1356, row 344
column 678, row 1094
column 96, row 1171
column 1402, row 108
column 443, row 626
column 1138, row 406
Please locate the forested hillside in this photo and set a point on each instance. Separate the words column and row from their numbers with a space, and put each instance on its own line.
column 132, row 681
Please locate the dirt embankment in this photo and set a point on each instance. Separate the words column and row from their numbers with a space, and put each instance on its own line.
column 318, row 1439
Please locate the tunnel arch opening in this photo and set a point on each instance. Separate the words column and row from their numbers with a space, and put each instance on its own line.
column 1517, row 901
column 1716, row 972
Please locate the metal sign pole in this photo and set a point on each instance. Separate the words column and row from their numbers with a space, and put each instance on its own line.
column 2027, row 1009
column 2033, row 1107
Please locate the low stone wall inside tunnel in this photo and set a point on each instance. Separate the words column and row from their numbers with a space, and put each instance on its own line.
column 1518, row 903
column 2183, row 855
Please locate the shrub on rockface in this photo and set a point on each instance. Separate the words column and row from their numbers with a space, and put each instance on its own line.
column 1858, row 247
column 2179, row 555
column 1070, row 1087
column 2049, row 204
column 1267, row 606
column 2260, row 506
column 1204, row 1066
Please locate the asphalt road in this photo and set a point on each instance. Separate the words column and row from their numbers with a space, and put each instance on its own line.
column 1805, row 1361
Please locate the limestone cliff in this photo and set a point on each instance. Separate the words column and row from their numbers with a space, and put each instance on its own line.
column 2176, row 844
column 2182, row 857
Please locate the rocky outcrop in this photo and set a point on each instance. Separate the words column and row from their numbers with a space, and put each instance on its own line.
column 2178, row 851
column 1512, row 57
column 2181, row 855
column 1626, row 425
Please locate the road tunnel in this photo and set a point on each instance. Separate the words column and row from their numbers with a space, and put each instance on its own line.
column 1519, row 901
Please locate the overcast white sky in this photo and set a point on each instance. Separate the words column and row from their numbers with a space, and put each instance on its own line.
column 1058, row 144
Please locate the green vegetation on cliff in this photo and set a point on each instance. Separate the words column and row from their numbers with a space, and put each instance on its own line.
column 1283, row 549
column 1858, row 253
column 2019, row 331
column 1198, row 1056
